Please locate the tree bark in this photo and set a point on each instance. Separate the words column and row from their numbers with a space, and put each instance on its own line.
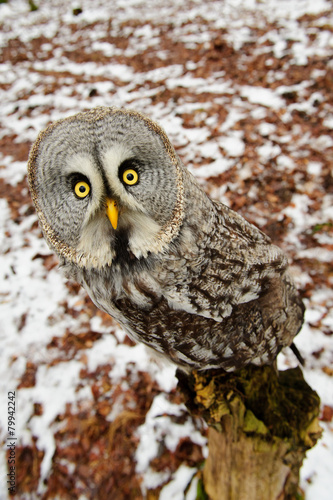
column 261, row 423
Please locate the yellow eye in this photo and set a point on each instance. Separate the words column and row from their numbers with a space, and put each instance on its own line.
column 82, row 189
column 130, row 177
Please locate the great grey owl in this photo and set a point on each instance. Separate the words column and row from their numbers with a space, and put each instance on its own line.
column 181, row 273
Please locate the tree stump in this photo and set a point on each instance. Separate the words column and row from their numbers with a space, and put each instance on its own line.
column 261, row 423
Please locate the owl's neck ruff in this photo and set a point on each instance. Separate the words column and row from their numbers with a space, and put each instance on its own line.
column 76, row 255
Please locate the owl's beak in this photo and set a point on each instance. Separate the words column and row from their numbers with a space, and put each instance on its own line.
column 112, row 212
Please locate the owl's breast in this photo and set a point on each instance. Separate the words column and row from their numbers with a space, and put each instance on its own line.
column 165, row 307
column 135, row 283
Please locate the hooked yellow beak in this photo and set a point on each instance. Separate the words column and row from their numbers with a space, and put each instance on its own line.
column 112, row 212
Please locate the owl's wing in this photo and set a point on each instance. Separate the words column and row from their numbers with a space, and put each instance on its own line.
column 237, row 265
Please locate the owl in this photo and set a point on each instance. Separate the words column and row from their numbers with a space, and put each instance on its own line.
column 183, row 274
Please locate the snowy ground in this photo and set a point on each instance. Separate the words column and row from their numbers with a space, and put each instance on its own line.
column 244, row 89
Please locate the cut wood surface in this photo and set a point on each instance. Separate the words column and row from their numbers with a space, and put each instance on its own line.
column 261, row 423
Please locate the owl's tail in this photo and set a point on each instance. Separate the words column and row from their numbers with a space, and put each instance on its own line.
column 297, row 354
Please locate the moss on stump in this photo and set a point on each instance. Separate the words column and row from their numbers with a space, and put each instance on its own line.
column 261, row 423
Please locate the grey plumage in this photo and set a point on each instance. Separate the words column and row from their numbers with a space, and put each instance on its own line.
column 182, row 273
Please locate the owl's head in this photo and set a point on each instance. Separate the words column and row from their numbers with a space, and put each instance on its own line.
column 104, row 181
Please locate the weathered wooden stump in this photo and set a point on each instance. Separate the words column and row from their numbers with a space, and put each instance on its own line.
column 261, row 423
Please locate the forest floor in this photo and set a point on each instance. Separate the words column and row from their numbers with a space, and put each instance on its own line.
column 244, row 89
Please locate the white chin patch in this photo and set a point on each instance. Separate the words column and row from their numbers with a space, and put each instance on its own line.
column 95, row 245
column 143, row 233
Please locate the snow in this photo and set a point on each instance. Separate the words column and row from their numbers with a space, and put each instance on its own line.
column 178, row 484
column 266, row 129
column 233, row 145
column 157, row 430
column 206, row 114
column 317, row 485
column 314, row 167
column 213, row 169
column 268, row 151
column 63, row 390
column 16, row 172
column 265, row 97
column 151, row 435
